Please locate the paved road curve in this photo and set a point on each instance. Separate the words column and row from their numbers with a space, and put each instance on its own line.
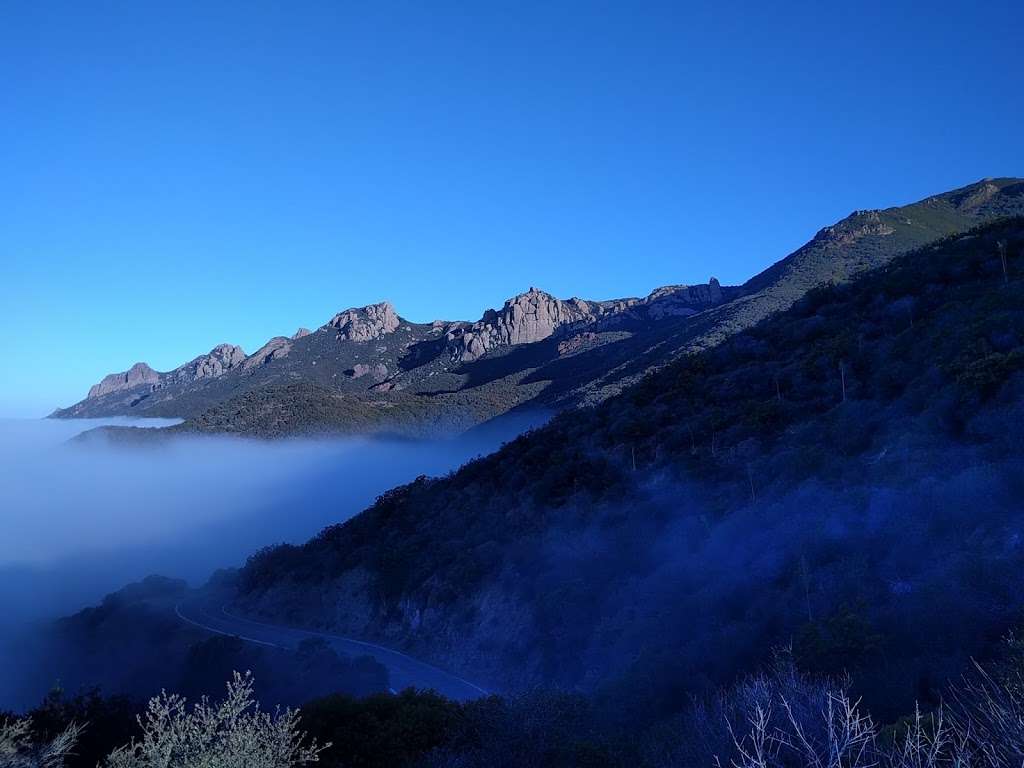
column 405, row 671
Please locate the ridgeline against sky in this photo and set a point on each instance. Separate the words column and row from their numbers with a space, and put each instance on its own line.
column 179, row 176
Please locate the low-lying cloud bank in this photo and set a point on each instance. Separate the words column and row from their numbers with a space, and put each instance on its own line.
column 81, row 520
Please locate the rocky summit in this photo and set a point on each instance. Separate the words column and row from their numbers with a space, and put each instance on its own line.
column 139, row 375
column 365, row 323
column 219, row 360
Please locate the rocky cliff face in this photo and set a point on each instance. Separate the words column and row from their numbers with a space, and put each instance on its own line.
column 356, row 324
column 218, row 361
column 536, row 315
column 365, row 323
column 528, row 317
column 138, row 375
column 682, row 300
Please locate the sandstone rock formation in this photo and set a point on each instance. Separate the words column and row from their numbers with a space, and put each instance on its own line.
column 300, row 333
column 365, row 323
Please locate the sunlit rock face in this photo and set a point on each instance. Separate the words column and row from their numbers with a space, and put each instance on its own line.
column 365, row 323
column 138, row 375
column 536, row 315
column 217, row 362
column 528, row 317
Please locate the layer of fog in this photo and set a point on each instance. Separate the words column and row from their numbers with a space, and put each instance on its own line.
column 82, row 520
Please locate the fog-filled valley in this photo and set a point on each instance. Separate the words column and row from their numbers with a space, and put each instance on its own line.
column 82, row 519
column 822, row 510
column 512, row 385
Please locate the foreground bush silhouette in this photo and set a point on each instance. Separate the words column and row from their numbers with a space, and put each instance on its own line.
column 18, row 750
column 782, row 718
column 232, row 734
column 786, row 719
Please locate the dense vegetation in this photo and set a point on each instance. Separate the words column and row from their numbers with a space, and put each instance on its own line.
column 845, row 476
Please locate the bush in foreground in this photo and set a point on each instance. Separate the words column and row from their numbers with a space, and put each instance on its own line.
column 19, row 750
column 232, row 734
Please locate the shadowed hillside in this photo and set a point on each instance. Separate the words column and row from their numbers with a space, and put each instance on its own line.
column 844, row 476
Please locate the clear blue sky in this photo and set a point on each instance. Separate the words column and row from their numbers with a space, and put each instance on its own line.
column 177, row 174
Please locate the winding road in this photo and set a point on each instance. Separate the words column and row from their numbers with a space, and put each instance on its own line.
column 405, row 671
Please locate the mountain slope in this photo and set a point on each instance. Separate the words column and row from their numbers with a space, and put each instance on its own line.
column 847, row 471
column 862, row 241
column 535, row 352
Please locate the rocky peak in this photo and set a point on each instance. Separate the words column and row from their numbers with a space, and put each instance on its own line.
column 275, row 349
column 138, row 375
column 365, row 323
column 218, row 361
column 536, row 315
column 300, row 333
column 682, row 300
column 525, row 318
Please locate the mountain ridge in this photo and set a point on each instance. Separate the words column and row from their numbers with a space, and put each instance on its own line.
column 536, row 350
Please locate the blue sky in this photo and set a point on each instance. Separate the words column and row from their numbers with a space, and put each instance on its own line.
column 174, row 175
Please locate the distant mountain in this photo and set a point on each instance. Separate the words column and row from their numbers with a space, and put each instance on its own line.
column 368, row 369
column 843, row 477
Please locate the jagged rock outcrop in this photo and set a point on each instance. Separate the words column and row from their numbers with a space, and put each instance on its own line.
column 276, row 348
column 365, row 323
column 526, row 318
column 300, row 333
column 379, row 371
column 136, row 376
column 682, row 300
column 857, row 225
column 536, row 315
column 216, row 362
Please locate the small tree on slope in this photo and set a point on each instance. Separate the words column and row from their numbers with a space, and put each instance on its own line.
column 232, row 734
